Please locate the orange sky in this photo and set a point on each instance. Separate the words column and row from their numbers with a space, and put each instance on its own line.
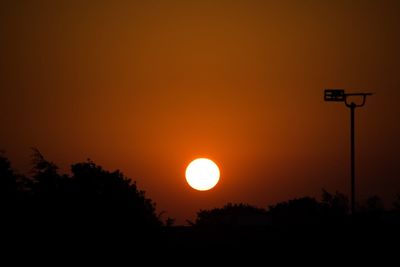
column 147, row 86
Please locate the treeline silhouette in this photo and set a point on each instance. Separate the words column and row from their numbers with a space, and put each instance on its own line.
column 303, row 220
column 91, row 207
column 95, row 207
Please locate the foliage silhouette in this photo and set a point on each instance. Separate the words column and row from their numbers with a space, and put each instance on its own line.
column 314, row 224
column 112, row 192
column 100, row 208
column 373, row 205
column 8, row 182
column 337, row 204
column 45, row 181
column 297, row 211
column 231, row 215
column 93, row 205
column 396, row 204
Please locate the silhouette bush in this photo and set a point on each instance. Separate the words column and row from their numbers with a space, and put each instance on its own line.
column 91, row 203
column 303, row 210
column 232, row 215
column 94, row 205
column 104, row 191
column 8, row 182
column 335, row 204
column 396, row 203
column 373, row 206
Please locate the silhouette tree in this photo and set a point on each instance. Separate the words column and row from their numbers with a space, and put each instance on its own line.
column 373, row 206
column 232, row 215
column 169, row 222
column 396, row 203
column 111, row 194
column 46, row 182
column 337, row 204
column 303, row 210
column 92, row 204
column 8, row 181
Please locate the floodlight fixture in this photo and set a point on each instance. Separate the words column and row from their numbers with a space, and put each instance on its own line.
column 334, row 95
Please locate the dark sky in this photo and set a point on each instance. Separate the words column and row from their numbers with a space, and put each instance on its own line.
column 147, row 86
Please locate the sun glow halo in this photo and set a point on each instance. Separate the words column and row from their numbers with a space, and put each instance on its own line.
column 202, row 174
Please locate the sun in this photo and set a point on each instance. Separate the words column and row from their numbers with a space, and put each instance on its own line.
column 202, row 174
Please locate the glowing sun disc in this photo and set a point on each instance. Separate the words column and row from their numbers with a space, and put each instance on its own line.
column 202, row 174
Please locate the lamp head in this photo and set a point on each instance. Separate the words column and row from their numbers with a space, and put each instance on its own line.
column 334, row 95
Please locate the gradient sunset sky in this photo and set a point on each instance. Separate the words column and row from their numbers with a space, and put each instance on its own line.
column 148, row 86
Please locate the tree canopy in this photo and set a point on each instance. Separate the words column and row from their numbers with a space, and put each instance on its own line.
column 89, row 200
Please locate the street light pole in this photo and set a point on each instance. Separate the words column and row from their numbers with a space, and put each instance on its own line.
column 352, row 158
column 339, row 95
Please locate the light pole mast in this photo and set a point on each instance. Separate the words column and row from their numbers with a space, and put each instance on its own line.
column 352, row 107
column 339, row 95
